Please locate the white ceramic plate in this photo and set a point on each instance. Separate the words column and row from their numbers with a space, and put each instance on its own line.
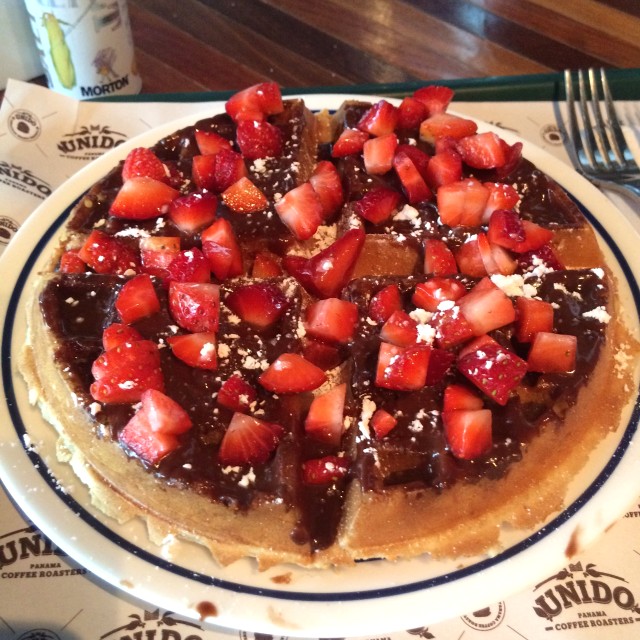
column 370, row 598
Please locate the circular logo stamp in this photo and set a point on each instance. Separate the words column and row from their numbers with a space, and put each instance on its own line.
column 39, row 634
column 552, row 134
column 24, row 125
column 487, row 618
column 8, row 228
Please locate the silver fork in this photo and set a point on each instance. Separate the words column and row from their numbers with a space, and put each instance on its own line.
column 600, row 150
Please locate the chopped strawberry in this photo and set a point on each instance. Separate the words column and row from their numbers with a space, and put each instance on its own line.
column 496, row 371
column 266, row 265
column 195, row 306
column 469, row 258
column 249, row 440
column 438, row 258
column 533, row 316
column 411, row 112
column 259, row 139
column 190, row 265
column 489, row 253
column 419, row 157
column 384, row 303
column 71, row 262
column 553, row 353
column 301, row 211
column 291, row 373
column 413, row 184
column 487, row 308
column 117, row 333
column 325, row 420
column 106, row 254
column 327, row 272
column 400, row 329
column 382, row 423
column 210, row 142
column 380, row 119
column 244, row 197
column 326, row 182
column 124, row 372
column 322, row 354
column 440, row 362
column 378, row 153
column 444, row 167
column 236, row 394
column 501, row 196
column 349, row 142
column 164, row 414
column 194, row 211
column 217, row 173
column 544, row 255
column 255, row 102
column 535, row 237
column 457, row 397
column 142, row 198
column 325, row 470
column 446, row 125
column 513, row 156
column 462, row 203
column 198, row 350
column 137, row 299
column 220, row 246
column 143, row 163
column 428, row 295
column 435, row 98
column 505, row 229
column 331, row 319
column 378, row 204
column 468, row 432
column 504, row 261
column 259, row 304
column 402, row 369
column 157, row 253
column 451, row 327
column 482, row 150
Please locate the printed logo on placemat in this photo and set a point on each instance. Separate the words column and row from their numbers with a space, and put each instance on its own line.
column 585, row 597
column 633, row 514
column 8, row 228
column 24, row 180
column 24, row 125
column 39, row 634
column 153, row 625
column 89, row 142
column 486, row 619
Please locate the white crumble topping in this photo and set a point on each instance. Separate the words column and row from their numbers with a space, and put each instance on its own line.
column 247, row 479
column 368, row 409
column 599, row 313
column 132, row 232
column 558, row 286
column 128, row 384
column 223, row 350
column 208, row 348
column 95, row 408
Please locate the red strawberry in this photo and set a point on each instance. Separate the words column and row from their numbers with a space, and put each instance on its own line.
column 504, row 261
column 384, row 303
column 323, row 355
column 544, row 255
column 220, row 246
column 137, row 299
column 210, row 142
column 444, row 167
column 143, row 163
column 505, row 229
column 123, row 373
column 325, row 470
column 301, row 211
column 248, row 440
column 378, row 153
column 244, row 197
column 501, row 196
column 382, row 423
column 378, row 204
column 117, row 333
column 218, row 172
column 438, row 258
column 326, row 182
column 198, row 350
column 71, row 262
column 462, row 203
column 413, row 184
column 487, row 308
column 380, row 119
column 291, row 373
column 142, row 198
column 325, row 420
column 194, row 211
column 419, row 157
column 533, row 316
column 402, row 369
column 400, row 329
column 451, row 327
column 435, row 98
column 469, row 258
column 266, row 265
column 457, row 397
column 255, row 102
column 259, row 139
column 496, row 371
column 482, row 151
column 236, row 394
column 535, row 237
column 428, row 295
column 164, row 414
column 327, row 272
column 331, row 319
column 190, row 265
column 552, row 353
column 195, row 306
column 411, row 112
column 468, row 432
column 440, row 362
column 349, row 142
column 513, row 156
column 259, row 304
column 157, row 253
column 443, row 125
column 106, row 254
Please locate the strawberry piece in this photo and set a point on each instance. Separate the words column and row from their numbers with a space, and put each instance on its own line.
column 301, row 211
column 123, row 373
column 323, row 355
column 438, row 258
column 260, row 304
column 378, row 153
column 451, row 327
column 469, row 258
column 378, row 204
column 137, row 299
column 487, row 308
column 400, row 329
column 413, row 184
column 259, row 139
column 513, row 156
column 533, row 316
column 220, row 246
column 544, row 255
column 435, row 98
column 248, row 440
column 194, row 211
column 468, row 432
column 189, row 265
column 402, row 369
column 535, row 237
column 501, row 196
column 143, row 163
column 164, row 414
column 142, row 198
column 117, row 333
column 255, row 102
column 71, row 262
column 325, row 420
column 443, row 125
column 419, row 157
column 327, row 272
column 198, row 350
column 106, row 254
column 384, row 303
column 382, row 423
column 349, row 142
column 244, row 197
column 210, row 142
column 195, row 306
column 331, row 319
column 266, row 265
column 380, row 119
column 505, row 263
column 553, row 353
column 157, row 253
column 482, row 150
column 326, row 182
column 411, row 112
column 496, row 371
column 458, row 397
column 325, row 470
column 444, row 167
column 236, row 394
column 505, row 229
column 440, row 362
column 462, row 203
column 218, row 172
column 291, row 373
column 428, row 295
